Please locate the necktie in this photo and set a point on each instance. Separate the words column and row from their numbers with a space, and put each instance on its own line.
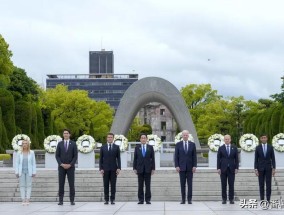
column 185, row 146
column 66, row 146
column 228, row 150
column 143, row 151
column 264, row 150
column 109, row 148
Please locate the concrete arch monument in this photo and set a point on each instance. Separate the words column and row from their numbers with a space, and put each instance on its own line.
column 152, row 89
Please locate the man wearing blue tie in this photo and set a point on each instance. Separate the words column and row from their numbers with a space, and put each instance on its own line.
column 144, row 167
column 227, row 167
column 185, row 163
column 264, row 165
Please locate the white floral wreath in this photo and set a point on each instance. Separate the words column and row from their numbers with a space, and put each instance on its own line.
column 215, row 141
column 178, row 138
column 50, row 143
column 154, row 141
column 248, row 142
column 86, row 144
column 278, row 142
column 17, row 141
column 121, row 141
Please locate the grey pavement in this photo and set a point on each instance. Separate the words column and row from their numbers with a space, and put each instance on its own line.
column 130, row 208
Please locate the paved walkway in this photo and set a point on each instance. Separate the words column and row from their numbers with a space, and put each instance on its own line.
column 130, row 208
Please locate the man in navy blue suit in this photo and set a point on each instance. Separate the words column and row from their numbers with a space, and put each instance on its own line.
column 185, row 164
column 110, row 166
column 227, row 167
column 144, row 167
column 264, row 166
column 66, row 155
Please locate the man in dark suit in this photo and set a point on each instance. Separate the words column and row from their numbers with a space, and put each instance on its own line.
column 185, row 164
column 227, row 167
column 264, row 166
column 110, row 166
column 144, row 167
column 66, row 156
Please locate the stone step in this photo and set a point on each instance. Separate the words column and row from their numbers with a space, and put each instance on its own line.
column 164, row 185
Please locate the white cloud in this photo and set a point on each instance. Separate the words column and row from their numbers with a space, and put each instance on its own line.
column 237, row 46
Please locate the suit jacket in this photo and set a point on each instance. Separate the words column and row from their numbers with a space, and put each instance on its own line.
column 224, row 161
column 262, row 163
column 146, row 163
column 69, row 157
column 110, row 161
column 31, row 163
column 185, row 161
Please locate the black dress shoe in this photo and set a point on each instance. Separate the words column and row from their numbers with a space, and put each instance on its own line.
column 140, row 203
column 232, row 202
column 112, row 202
column 224, row 202
column 189, row 202
column 72, row 203
column 148, row 202
column 106, row 203
column 182, row 202
column 60, row 203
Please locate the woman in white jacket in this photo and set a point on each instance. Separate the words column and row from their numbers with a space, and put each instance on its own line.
column 25, row 170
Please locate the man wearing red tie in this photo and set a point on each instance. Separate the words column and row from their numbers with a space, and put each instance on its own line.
column 185, row 163
column 227, row 167
column 66, row 156
column 264, row 166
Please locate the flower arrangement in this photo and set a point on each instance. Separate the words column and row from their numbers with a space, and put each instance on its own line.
column 121, row 141
column 154, row 141
column 248, row 142
column 17, row 141
column 178, row 138
column 50, row 143
column 278, row 142
column 86, row 144
column 215, row 141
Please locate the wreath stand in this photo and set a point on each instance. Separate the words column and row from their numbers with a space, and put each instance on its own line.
column 50, row 161
column 279, row 157
column 86, row 160
column 123, row 159
column 212, row 159
column 247, row 159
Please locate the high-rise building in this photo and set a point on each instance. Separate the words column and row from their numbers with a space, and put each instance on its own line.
column 101, row 61
column 101, row 87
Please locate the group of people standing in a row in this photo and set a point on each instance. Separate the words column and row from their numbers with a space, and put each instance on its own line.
column 185, row 159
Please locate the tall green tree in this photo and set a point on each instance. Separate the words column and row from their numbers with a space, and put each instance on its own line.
column 6, row 64
column 279, row 97
column 4, row 141
column 23, row 87
column 24, row 118
column 7, row 105
column 197, row 96
column 40, row 126
column 76, row 111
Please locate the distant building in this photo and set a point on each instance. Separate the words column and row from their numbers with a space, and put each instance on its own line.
column 101, row 87
column 101, row 62
column 161, row 120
